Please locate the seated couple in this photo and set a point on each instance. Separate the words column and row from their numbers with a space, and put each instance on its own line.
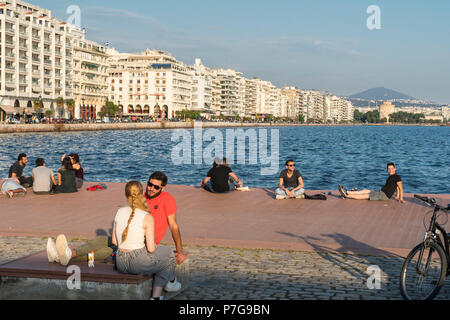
column 45, row 182
column 220, row 178
column 393, row 185
column 137, row 231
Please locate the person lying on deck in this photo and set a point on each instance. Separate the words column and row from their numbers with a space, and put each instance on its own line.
column 393, row 185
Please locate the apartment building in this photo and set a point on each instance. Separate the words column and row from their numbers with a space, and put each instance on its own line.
column 314, row 105
column 89, row 72
column 263, row 97
column 291, row 102
column 36, row 51
column 202, row 89
column 250, row 97
column 43, row 58
column 230, row 90
column 152, row 83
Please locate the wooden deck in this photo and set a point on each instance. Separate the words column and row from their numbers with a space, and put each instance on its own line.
column 239, row 219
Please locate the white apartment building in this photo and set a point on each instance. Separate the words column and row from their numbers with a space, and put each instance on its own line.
column 152, row 83
column 250, row 97
column 202, row 87
column 44, row 58
column 446, row 113
column 313, row 103
column 263, row 97
column 275, row 101
column 291, row 102
column 36, row 53
column 90, row 76
column 231, row 89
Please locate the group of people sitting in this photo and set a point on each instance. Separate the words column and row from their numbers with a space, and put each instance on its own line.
column 221, row 179
column 138, row 229
column 69, row 177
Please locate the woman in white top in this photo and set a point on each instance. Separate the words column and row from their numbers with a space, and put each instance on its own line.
column 134, row 234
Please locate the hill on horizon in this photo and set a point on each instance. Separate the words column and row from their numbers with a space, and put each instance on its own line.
column 381, row 93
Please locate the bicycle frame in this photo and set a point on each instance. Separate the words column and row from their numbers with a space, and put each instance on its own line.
column 434, row 236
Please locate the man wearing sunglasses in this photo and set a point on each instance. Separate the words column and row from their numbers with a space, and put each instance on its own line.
column 163, row 209
column 291, row 183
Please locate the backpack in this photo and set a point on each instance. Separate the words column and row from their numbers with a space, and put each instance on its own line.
column 318, row 196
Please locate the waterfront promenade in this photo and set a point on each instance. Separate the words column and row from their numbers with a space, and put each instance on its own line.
column 239, row 219
column 246, row 245
column 24, row 128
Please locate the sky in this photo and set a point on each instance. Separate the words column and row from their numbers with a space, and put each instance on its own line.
column 315, row 44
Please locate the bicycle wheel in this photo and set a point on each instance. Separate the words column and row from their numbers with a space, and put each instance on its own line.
column 423, row 272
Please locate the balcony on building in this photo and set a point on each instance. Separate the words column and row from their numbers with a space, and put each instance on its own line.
column 10, row 31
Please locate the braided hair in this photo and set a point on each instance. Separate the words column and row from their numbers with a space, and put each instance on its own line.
column 135, row 197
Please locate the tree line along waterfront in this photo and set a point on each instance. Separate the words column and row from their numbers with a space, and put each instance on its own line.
column 396, row 117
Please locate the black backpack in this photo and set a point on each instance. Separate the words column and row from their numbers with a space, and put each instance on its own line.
column 318, row 196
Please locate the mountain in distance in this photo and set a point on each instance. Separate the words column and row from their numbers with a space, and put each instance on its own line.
column 381, row 93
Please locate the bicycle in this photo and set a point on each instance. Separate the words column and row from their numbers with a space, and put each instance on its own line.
column 427, row 265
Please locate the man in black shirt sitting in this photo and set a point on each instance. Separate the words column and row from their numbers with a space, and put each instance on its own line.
column 291, row 183
column 220, row 177
column 16, row 171
column 393, row 184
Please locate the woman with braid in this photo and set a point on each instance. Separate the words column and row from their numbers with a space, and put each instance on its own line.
column 134, row 234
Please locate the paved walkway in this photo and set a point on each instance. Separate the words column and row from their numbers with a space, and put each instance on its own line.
column 239, row 219
column 227, row 273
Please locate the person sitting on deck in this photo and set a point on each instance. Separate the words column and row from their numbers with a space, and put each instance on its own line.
column 66, row 178
column 220, row 178
column 11, row 187
column 43, row 178
column 76, row 165
column 163, row 208
column 393, row 185
column 291, row 183
column 134, row 234
column 16, row 171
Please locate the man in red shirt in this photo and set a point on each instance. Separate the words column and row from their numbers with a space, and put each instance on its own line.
column 163, row 209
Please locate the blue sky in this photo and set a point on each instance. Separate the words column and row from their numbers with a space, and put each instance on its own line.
column 316, row 44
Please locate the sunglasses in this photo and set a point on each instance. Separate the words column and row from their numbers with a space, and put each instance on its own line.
column 291, row 165
column 149, row 184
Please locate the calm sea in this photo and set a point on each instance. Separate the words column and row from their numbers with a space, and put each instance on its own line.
column 354, row 156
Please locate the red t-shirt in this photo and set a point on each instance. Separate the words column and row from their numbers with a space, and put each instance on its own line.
column 161, row 208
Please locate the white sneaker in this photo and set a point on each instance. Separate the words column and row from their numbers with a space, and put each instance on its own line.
column 64, row 252
column 52, row 254
column 172, row 286
column 280, row 197
column 302, row 196
column 160, row 298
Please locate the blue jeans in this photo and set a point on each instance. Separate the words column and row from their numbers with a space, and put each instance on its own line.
column 209, row 186
column 161, row 264
column 281, row 192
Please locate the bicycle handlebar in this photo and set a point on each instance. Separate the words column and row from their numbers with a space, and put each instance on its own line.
column 432, row 202
column 424, row 199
